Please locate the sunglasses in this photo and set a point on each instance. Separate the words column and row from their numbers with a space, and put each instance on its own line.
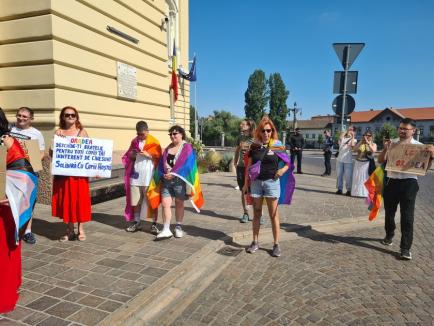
column 173, row 133
column 267, row 131
column 69, row 115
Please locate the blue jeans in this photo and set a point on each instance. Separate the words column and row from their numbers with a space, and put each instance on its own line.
column 265, row 188
column 345, row 170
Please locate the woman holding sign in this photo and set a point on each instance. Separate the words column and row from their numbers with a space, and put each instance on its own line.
column 71, row 195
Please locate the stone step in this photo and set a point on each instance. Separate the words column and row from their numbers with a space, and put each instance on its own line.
column 109, row 188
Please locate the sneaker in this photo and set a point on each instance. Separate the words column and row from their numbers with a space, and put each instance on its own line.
column 29, row 238
column 262, row 221
column 134, row 227
column 244, row 218
column 254, row 246
column 339, row 192
column 154, row 229
column 165, row 234
column 276, row 252
column 406, row 254
column 348, row 193
column 387, row 241
column 178, row 232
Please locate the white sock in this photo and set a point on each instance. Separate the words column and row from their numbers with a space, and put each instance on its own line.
column 166, row 226
column 28, row 231
column 137, row 216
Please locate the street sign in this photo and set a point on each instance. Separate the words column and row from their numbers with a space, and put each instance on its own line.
column 350, row 104
column 348, row 52
column 338, row 85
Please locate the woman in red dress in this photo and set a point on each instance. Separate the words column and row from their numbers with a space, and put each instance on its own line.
column 71, row 195
column 10, row 246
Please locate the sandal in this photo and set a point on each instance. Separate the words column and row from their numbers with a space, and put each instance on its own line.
column 81, row 237
column 68, row 237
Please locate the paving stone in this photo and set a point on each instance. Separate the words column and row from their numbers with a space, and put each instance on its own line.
column 109, row 306
column 35, row 318
column 42, row 303
column 91, row 301
column 88, row 316
column 57, row 292
column 63, row 309
column 19, row 313
column 54, row 321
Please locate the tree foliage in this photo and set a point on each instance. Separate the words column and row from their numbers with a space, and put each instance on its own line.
column 256, row 96
column 221, row 121
column 277, row 104
column 386, row 129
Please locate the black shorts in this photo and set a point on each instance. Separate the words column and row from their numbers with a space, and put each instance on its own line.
column 240, row 176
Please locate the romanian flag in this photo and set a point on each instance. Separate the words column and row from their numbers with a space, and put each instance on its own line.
column 185, row 168
column 174, row 84
column 152, row 146
column 375, row 185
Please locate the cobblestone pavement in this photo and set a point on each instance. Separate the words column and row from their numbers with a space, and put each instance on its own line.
column 81, row 283
column 328, row 279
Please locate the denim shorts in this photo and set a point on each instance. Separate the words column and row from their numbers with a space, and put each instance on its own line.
column 265, row 188
column 174, row 188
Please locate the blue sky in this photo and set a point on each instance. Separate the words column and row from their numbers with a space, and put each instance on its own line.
column 232, row 38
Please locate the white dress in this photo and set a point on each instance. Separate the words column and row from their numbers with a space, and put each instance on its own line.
column 360, row 175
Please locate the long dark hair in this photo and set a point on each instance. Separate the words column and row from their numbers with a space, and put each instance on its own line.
column 4, row 123
column 62, row 123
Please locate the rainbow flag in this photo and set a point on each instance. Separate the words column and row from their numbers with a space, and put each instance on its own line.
column 186, row 169
column 152, row 146
column 375, row 185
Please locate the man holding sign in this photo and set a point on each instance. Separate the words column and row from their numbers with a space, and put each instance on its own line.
column 23, row 126
column 402, row 187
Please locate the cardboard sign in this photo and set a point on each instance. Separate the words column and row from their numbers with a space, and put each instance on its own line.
column 82, row 157
column 31, row 148
column 408, row 158
column 3, row 153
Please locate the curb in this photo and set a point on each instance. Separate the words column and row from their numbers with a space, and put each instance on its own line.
column 169, row 296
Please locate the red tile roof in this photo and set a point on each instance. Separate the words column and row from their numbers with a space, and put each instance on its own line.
column 413, row 113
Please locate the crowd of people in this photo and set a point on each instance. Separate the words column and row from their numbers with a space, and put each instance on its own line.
column 155, row 177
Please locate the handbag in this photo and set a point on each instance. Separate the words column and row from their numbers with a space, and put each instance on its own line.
column 255, row 169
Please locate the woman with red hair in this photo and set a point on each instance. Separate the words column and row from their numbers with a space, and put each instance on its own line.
column 267, row 164
column 71, row 195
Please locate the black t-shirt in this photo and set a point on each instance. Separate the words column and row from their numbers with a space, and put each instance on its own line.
column 269, row 164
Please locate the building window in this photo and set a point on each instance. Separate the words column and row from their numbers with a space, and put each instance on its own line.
column 313, row 136
column 431, row 131
column 307, row 136
column 421, row 131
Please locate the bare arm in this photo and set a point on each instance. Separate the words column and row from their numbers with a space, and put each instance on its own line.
column 383, row 155
column 247, row 179
column 236, row 155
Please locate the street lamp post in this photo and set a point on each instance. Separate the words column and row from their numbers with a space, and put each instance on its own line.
column 294, row 111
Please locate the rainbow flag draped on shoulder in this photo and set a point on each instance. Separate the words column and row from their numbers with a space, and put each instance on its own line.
column 287, row 180
column 152, row 146
column 375, row 185
column 21, row 190
column 185, row 168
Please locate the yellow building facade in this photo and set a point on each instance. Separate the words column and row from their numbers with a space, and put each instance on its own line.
column 110, row 59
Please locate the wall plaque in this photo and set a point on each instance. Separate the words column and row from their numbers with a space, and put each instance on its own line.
column 127, row 81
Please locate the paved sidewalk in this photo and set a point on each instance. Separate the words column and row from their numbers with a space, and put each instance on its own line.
column 114, row 273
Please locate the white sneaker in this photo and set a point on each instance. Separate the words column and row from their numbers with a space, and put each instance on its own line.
column 165, row 234
column 178, row 232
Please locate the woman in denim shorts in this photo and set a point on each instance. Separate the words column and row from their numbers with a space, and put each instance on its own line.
column 173, row 187
column 267, row 184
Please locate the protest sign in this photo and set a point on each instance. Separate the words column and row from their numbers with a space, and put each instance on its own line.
column 408, row 158
column 82, row 157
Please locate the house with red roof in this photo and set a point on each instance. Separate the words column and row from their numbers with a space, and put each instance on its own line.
column 373, row 120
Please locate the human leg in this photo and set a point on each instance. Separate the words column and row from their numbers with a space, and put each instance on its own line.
column 340, row 172
column 299, row 158
column 391, row 201
column 407, row 205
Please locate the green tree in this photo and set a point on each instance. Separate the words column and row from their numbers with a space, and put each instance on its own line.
column 320, row 139
column 192, row 117
column 386, row 130
column 277, row 104
column 256, row 95
column 221, row 121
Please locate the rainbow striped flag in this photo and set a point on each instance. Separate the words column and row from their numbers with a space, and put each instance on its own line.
column 375, row 185
column 185, row 168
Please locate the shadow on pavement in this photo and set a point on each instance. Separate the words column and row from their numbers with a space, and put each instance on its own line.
column 49, row 230
column 309, row 233
column 225, row 185
column 211, row 213
column 314, row 190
